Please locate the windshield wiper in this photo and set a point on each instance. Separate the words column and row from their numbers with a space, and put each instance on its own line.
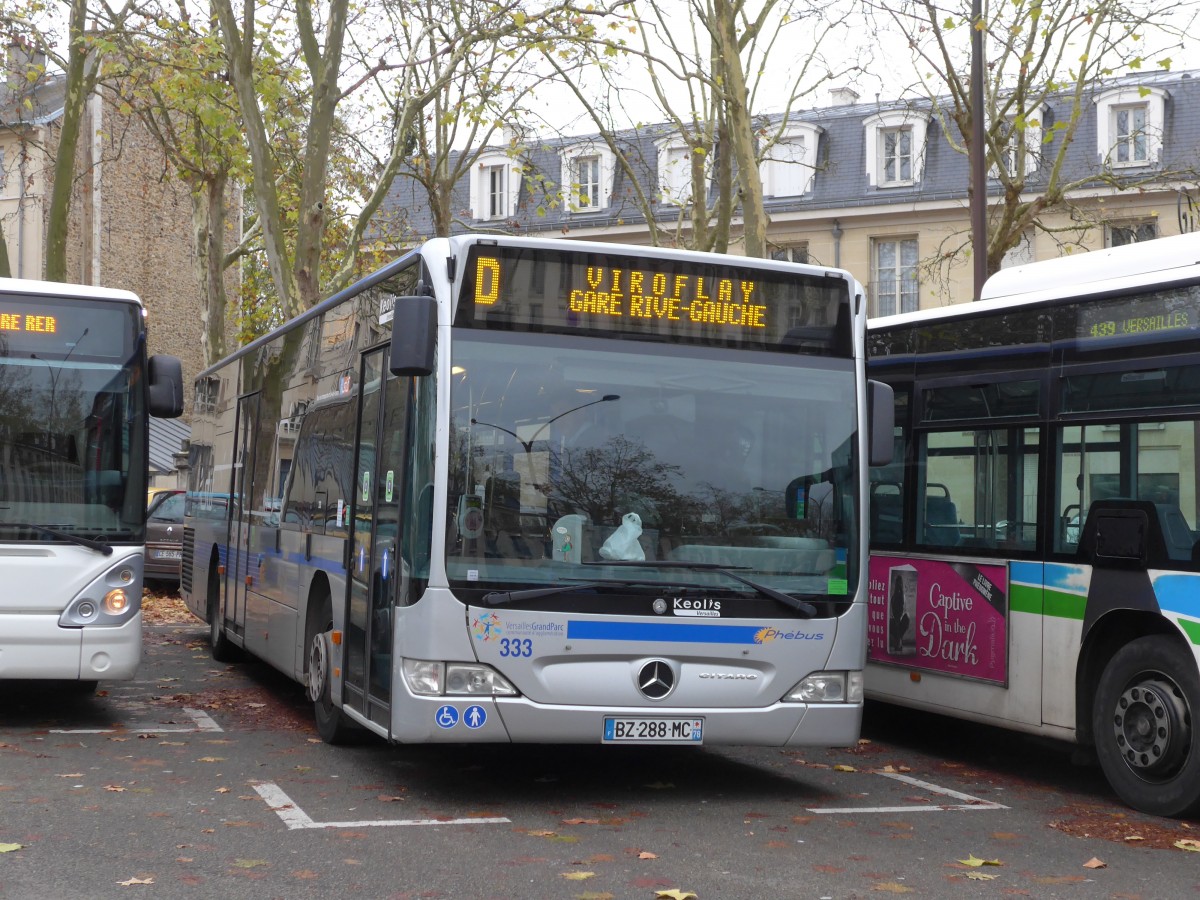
column 98, row 546
column 801, row 606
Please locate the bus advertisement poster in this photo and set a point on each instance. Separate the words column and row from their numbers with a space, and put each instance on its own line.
column 943, row 617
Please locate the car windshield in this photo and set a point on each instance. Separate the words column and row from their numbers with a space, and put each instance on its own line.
column 573, row 457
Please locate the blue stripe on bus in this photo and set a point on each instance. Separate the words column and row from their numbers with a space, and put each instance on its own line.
column 1178, row 594
column 673, row 632
column 1025, row 572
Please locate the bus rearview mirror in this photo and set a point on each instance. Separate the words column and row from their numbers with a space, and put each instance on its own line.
column 165, row 379
column 881, row 420
column 414, row 336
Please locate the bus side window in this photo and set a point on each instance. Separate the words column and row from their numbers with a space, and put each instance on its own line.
column 941, row 517
column 887, row 512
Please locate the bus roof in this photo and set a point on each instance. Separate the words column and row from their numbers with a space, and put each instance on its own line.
column 1080, row 274
column 1077, row 270
column 82, row 291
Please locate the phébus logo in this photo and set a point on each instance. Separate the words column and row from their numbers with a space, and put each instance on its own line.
column 768, row 634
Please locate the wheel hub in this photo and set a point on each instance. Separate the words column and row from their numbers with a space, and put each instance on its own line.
column 1152, row 727
column 318, row 666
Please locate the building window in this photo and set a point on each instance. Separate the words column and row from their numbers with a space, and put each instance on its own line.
column 587, row 176
column 788, row 165
column 1129, row 126
column 675, row 173
column 1020, row 253
column 797, row 253
column 895, row 279
column 497, row 191
column 895, row 146
column 1120, row 234
column 1129, row 130
column 495, row 184
column 896, row 155
column 1018, row 143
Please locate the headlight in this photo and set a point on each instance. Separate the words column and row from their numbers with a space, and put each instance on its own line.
column 828, row 687
column 435, row 679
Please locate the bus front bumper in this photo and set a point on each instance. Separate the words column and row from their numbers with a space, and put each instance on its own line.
column 517, row 720
column 35, row 646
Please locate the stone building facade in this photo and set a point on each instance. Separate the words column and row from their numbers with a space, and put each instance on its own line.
column 130, row 224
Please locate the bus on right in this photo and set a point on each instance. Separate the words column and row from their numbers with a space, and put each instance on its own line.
column 1034, row 557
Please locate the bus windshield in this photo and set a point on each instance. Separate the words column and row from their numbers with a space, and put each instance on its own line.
column 574, row 457
column 71, row 430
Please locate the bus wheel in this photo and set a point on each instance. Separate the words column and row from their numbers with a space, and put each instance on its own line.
column 1143, row 721
column 332, row 725
column 222, row 648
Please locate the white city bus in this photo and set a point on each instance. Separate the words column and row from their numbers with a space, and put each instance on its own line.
column 1034, row 559
column 76, row 390
column 549, row 491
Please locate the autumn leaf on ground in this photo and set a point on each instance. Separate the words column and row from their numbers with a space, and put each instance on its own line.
column 980, row 876
column 891, row 887
column 115, row 788
column 9, row 848
column 136, row 881
column 581, row 821
column 250, row 863
column 844, row 768
column 1095, row 863
column 71, row 775
column 646, row 854
column 594, row 895
column 974, row 861
column 577, row 876
column 1188, row 844
column 674, row 894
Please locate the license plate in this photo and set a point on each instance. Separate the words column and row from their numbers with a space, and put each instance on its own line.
column 168, row 554
column 661, row 730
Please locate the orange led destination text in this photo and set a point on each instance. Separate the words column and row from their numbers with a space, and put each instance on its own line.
column 635, row 294
column 23, row 322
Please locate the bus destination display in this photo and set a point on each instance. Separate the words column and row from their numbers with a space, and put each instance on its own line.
column 553, row 290
column 1149, row 314
column 57, row 328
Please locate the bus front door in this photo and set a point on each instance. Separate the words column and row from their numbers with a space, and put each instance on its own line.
column 374, row 569
column 237, row 561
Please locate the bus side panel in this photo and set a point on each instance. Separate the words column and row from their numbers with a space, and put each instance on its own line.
column 1066, row 599
column 1016, row 701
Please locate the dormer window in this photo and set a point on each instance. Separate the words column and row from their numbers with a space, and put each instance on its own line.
column 1017, row 143
column 587, row 176
column 788, row 165
column 1129, row 126
column 675, row 171
column 895, row 148
column 495, row 183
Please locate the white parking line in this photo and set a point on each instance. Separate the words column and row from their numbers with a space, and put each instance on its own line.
column 294, row 817
column 969, row 802
column 202, row 722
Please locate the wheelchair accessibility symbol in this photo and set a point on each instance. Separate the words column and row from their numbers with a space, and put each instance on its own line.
column 446, row 717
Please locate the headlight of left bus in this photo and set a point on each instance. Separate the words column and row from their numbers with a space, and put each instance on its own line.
column 828, row 687
column 431, row 678
column 112, row 599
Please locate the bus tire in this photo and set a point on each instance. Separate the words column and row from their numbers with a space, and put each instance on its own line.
column 1143, row 720
column 222, row 648
column 332, row 725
